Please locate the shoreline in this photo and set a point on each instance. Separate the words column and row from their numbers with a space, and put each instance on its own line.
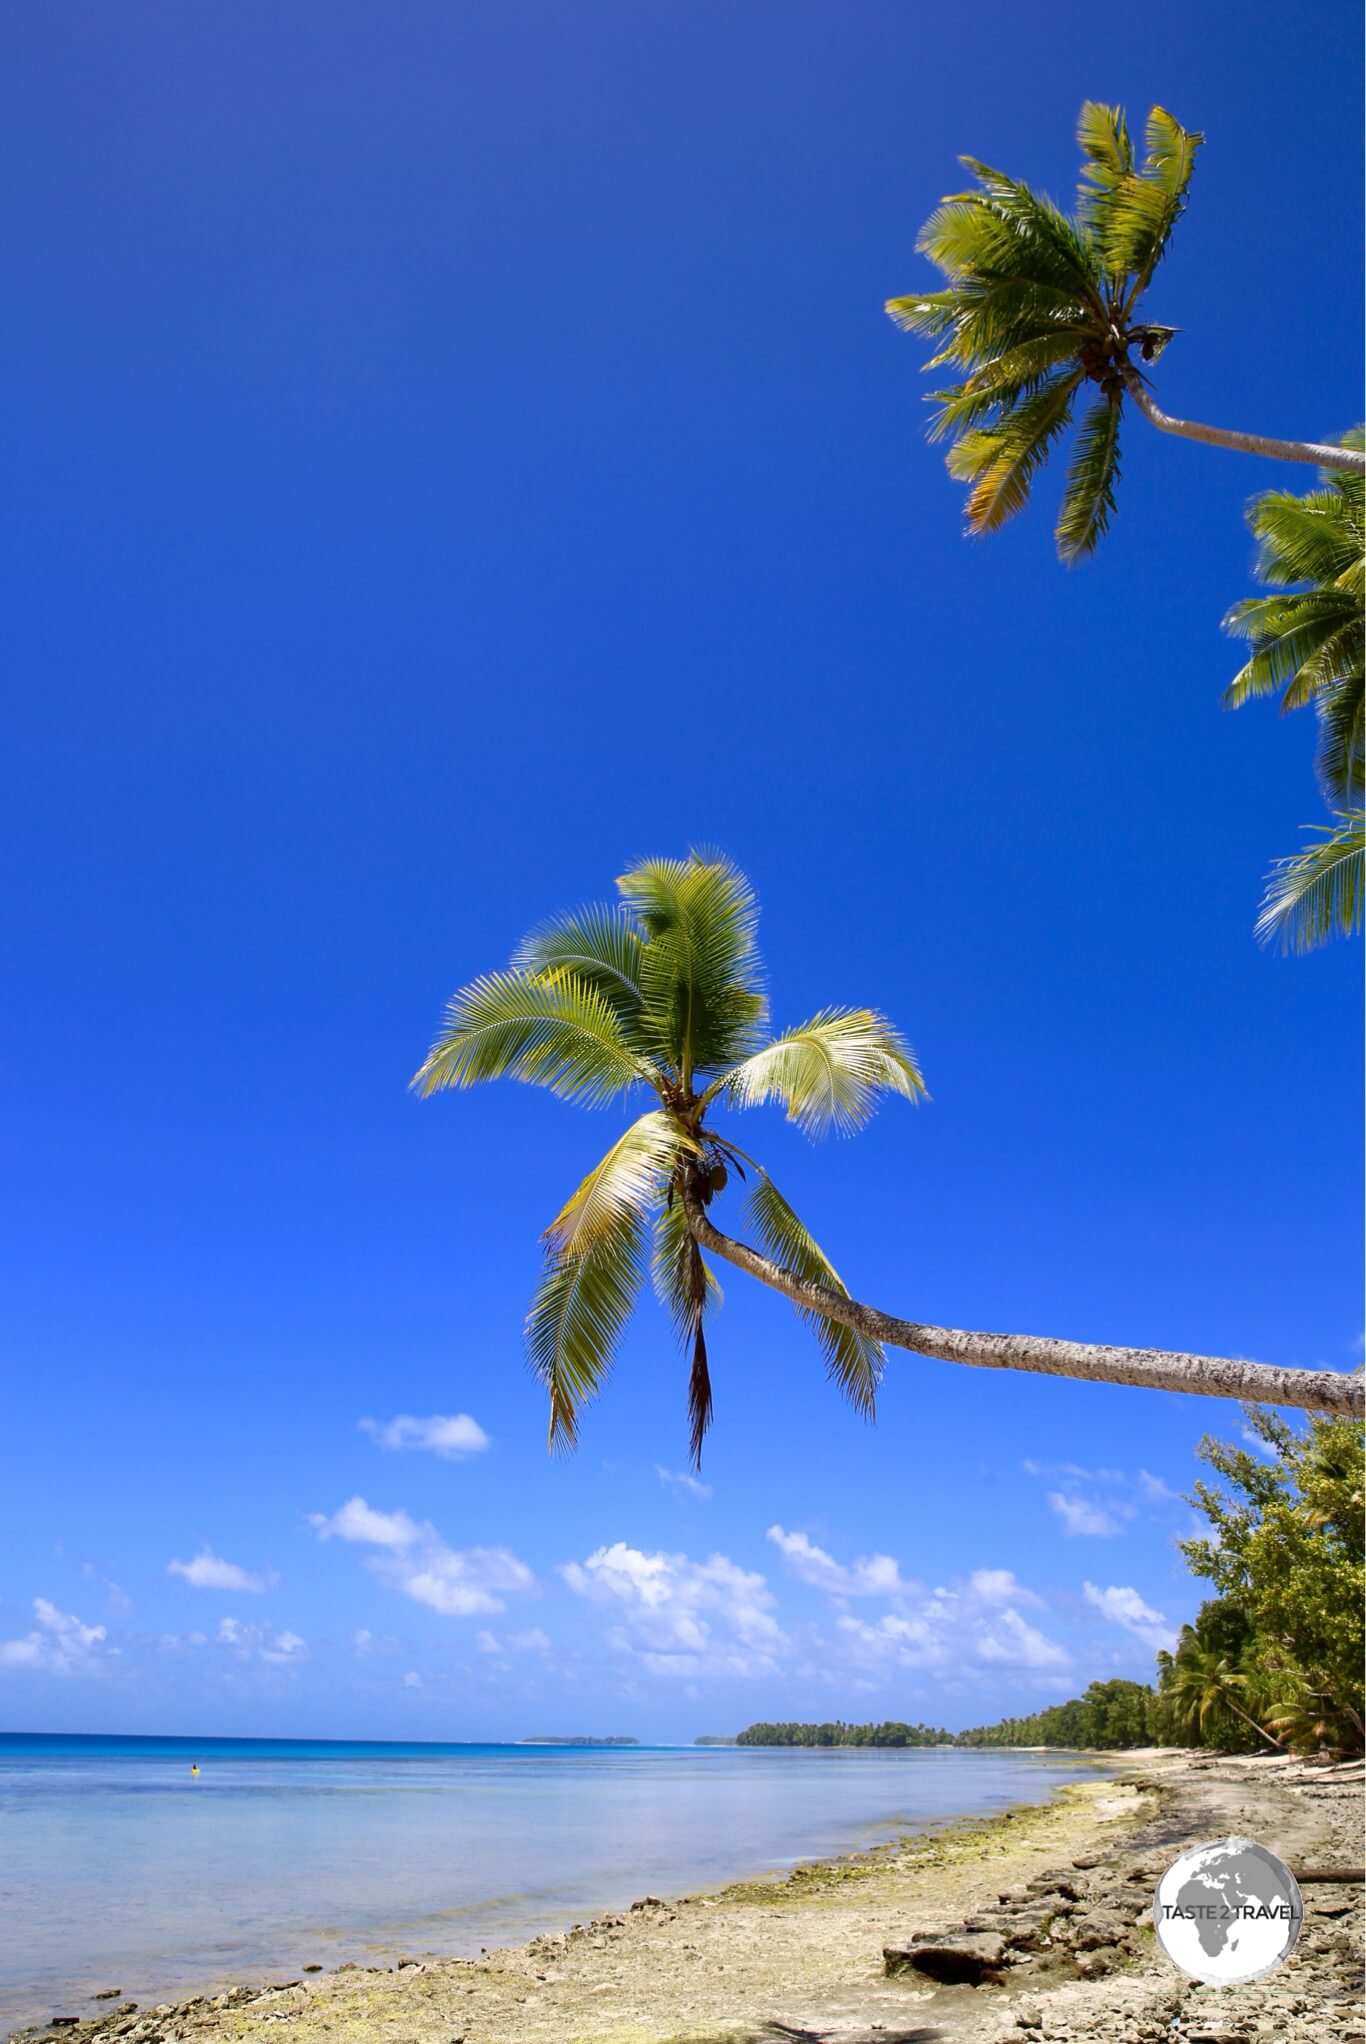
column 1054, row 1896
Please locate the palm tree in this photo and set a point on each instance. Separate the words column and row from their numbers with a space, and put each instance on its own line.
column 1201, row 1682
column 1308, row 644
column 662, row 995
column 1039, row 304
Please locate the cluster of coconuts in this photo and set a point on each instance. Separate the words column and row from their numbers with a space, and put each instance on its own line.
column 710, row 1182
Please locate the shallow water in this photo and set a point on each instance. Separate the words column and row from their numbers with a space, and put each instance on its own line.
column 120, row 1869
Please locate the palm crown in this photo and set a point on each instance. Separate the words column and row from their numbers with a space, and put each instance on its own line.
column 1038, row 305
column 663, row 993
column 1308, row 643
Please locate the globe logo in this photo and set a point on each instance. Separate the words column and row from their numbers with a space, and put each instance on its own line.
column 1228, row 1913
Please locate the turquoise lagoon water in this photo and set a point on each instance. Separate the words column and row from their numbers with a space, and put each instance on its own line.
column 119, row 1869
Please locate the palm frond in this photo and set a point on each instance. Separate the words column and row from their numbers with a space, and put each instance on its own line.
column 699, row 970
column 554, row 1032
column 629, row 1179
column 685, row 1284
column 1340, row 760
column 1316, row 894
column 853, row 1361
column 597, row 945
column 1088, row 502
column 1000, row 460
column 830, row 1072
column 1146, row 205
column 1107, row 159
column 578, row 1311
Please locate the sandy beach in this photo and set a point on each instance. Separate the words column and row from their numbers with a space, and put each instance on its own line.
column 1052, row 1901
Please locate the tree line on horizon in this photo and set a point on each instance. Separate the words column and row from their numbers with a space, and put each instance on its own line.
column 1272, row 1663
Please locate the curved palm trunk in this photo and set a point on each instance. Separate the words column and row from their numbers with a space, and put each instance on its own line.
column 1319, row 456
column 1155, row 1369
column 1252, row 1724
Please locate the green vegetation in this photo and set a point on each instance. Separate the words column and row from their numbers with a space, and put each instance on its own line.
column 1274, row 1661
column 840, row 1734
column 665, row 993
column 1038, row 305
column 1307, row 640
column 1276, row 1657
column 1110, row 1716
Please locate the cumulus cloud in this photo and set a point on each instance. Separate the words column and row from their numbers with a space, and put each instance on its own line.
column 1082, row 1516
column 875, row 1575
column 1123, row 1606
column 451, row 1435
column 529, row 1640
column 682, row 1618
column 416, row 1561
column 953, row 1630
column 682, row 1479
column 60, row 1645
column 208, row 1571
column 259, row 1643
column 998, row 1586
column 355, row 1520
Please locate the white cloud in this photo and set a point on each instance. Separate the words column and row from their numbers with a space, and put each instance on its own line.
column 412, row 1680
column 1155, row 1490
column 62, row 1644
column 682, row 1479
column 259, row 1643
column 679, row 1617
column 1011, row 1641
column 875, row 1575
column 416, row 1561
column 355, row 1520
column 454, row 1435
column 208, row 1571
column 530, row 1640
column 1123, row 1606
column 950, row 1631
column 1082, row 1516
column 366, row 1642
column 998, row 1586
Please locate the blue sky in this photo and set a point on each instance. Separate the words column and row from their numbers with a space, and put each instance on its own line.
column 455, row 452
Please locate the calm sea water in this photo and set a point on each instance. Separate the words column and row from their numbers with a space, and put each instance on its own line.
column 120, row 1869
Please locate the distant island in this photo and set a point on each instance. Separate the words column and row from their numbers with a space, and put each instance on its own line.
column 547, row 1740
column 714, row 1739
column 892, row 1733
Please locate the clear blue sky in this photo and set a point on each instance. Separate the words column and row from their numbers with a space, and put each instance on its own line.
column 451, row 452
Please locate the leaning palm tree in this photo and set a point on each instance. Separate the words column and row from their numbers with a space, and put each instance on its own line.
column 1201, row 1683
column 661, row 996
column 1039, row 305
column 1308, row 641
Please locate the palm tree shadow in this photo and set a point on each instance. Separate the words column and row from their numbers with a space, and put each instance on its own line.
column 784, row 2033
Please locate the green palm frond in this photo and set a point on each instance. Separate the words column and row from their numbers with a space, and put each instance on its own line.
column 1107, row 159
column 555, row 1033
column 1316, row 894
column 600, row 947
column 579, row 1309
column 699, row 972
column 629, row 1179
column 1340, row 760
column 684, row 1283
column 1001, row 459
column 854, row 1362
column 830, row 1072
column 1036, row 303
column 1088, row 502
column 1146, row 205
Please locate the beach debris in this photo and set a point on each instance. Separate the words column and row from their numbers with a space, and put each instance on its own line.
column 107, row 1994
